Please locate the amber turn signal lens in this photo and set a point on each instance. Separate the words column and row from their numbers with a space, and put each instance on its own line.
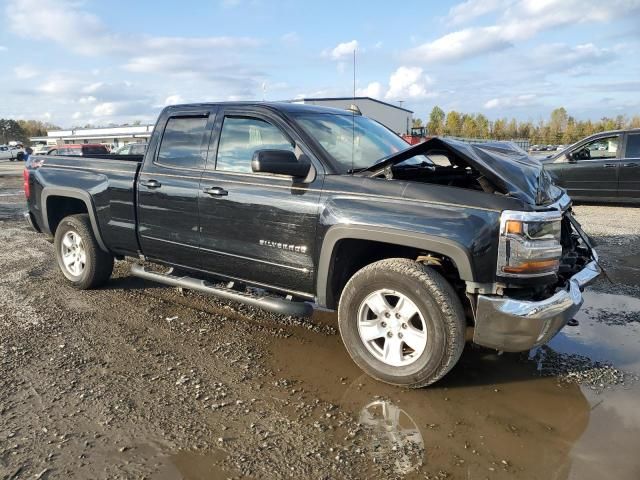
column 537, row 266
column 513, row 226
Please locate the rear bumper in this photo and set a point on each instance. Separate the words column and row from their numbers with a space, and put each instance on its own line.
column 28, row 216
column 514, row 325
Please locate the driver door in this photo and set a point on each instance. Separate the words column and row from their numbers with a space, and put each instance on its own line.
column 590, row 172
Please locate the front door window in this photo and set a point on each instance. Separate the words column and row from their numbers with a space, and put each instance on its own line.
column 602, row 148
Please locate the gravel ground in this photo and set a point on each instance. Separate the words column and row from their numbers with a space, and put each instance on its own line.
column 136, row 380
column 616, row 231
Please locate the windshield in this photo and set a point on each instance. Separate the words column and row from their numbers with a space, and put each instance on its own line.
column 354, row 142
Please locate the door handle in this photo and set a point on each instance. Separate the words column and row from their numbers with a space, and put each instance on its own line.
column 610, row 165
column 630, row 165
column 216, row 192
column 151, row 184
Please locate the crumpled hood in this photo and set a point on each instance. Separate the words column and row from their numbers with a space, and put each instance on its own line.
column 505, row 165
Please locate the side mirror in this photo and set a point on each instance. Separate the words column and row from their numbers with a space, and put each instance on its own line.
column 571, row 157
column 279, row 162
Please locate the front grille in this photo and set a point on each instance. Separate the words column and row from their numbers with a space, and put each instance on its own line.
column 575, row 253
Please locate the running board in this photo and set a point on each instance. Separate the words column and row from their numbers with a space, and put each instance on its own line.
column 266, row 302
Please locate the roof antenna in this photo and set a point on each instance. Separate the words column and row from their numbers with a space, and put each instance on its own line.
column 353, row 115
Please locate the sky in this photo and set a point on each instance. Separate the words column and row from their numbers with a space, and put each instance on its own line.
column 77, row 62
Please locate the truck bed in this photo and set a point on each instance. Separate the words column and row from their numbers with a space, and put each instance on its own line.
column 110, row 181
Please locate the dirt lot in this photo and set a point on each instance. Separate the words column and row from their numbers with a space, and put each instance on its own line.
column 141, row 381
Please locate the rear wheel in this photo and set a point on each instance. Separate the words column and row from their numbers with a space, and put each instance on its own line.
column 402, row 322
column 79, row 256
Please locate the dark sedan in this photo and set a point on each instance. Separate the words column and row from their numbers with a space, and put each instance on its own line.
column 603, row 167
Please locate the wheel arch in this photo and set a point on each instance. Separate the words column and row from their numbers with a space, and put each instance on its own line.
column 71, row 193
column 457, row 253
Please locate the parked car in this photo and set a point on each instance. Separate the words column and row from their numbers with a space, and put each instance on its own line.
column 603, row 167
column 7, row 153
column 314, row 205
column 82, row 150
column 41, row 149
column 131, row 149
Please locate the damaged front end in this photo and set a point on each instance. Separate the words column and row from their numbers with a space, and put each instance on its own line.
column 544, row 258
column 495, row 167
column 537, row 303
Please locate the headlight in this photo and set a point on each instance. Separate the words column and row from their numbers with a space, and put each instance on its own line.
column 529, row 244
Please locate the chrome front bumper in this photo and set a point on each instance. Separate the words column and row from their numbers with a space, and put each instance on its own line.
column 514, row 325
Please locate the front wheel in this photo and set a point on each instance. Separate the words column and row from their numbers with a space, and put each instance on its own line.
column 79, row 256
column 402, row 322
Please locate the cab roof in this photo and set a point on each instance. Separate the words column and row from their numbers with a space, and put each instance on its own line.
column 287, row 107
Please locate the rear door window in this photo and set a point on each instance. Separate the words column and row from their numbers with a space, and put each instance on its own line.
column 633, row 146
column 182, row 142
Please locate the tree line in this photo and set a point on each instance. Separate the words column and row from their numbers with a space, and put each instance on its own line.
column 22, row 130
column 561, row 128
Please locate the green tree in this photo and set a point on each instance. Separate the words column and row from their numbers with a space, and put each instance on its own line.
column 435, row 126
column 417, row 122
column 468, row 128
column 499, row 128
column 453, row 123
column 482, row 126
column 11, row 130
column 512, row 129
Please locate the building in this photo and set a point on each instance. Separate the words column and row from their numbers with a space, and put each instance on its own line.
column 106, row 135
column 392, row 116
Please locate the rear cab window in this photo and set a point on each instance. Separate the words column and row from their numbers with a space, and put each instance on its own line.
column 94, row 150
column 181, row 142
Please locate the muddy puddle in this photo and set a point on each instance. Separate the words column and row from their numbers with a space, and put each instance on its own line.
column 498, row 416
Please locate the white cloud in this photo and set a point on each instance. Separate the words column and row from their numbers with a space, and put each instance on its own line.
column 509, row 102
column 25, row 72
column 520, row 21
column 471, row 9
column 76, row 115
column 64, row 23
column 408, row 83
column 461, row 44
column 59, row 84
column 341, row 51
column 105, row 109
column 173, row 100
column 87, row 99
column 291, row 38
column 3, row 48
column 560, row 56
column 373, row 90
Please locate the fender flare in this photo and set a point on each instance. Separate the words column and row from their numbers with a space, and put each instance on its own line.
column 78, row 194
column 460, row 255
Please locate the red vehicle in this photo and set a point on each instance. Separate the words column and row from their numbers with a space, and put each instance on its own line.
column 80, row 149
column 417, row 135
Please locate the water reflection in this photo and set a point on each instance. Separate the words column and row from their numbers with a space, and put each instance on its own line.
column 394, row 435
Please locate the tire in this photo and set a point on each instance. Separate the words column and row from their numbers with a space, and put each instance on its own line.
column 439, row 316
column 91, row 266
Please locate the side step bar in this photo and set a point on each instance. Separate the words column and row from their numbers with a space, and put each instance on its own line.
column 270, row 303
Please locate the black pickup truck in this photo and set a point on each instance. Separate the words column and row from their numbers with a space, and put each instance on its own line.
column 286, row 206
